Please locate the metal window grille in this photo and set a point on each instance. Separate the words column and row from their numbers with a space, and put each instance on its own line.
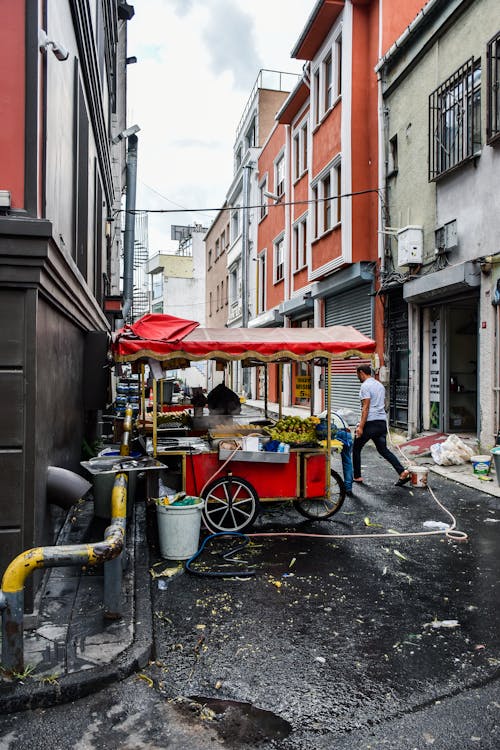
column 454, row 122
column 493, row 88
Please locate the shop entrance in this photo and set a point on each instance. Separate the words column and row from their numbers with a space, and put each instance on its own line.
column 453, row 356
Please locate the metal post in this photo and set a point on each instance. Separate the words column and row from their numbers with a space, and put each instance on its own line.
column 113, row 568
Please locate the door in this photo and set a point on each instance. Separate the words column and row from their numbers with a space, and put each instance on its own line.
column 398, row 361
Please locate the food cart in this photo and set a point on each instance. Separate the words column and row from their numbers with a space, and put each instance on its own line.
column 211, row 459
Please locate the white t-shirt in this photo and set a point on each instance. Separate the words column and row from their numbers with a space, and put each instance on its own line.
column 375, row 391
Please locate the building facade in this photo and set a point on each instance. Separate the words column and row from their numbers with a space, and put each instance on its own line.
column 441, row 131
column 318, row 238
column 62, row 104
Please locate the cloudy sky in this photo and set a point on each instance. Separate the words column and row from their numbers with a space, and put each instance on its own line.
column 197, row 63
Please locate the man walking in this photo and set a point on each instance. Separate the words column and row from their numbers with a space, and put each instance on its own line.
column 373, row 425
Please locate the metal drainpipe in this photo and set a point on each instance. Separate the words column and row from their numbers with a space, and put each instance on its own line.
column 129, row 234
column 14, row 578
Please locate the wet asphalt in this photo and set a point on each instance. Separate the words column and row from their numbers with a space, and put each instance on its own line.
column 333, row 643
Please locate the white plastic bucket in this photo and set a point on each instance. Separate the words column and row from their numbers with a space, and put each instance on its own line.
column 179, row 530
column 481, row 465
column 419, row 476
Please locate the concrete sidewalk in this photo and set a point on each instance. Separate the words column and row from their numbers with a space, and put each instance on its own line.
column 72, row 650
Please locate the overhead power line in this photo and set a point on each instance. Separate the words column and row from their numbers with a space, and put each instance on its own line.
column 274, row 204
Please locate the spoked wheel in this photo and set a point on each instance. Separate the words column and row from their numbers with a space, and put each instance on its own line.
column 318, row 508
column 231, row 504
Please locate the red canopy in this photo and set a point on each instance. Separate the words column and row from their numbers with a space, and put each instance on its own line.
column 176, row 341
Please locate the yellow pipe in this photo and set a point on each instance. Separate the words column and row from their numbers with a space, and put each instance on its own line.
column 24, row 564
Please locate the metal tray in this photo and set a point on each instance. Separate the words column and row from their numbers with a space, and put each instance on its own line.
column 263, row 457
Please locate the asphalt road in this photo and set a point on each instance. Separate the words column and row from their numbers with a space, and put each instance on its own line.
column 334, row 643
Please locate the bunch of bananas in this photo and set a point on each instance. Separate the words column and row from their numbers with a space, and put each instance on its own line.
column 294, row 430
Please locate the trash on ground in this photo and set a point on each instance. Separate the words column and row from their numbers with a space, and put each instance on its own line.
column 370, row 523
column 442, row 624
column 453, row 451
column 440, row 525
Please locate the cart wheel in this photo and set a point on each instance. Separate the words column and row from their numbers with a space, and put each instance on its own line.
column 231, row 504
column 318, row 508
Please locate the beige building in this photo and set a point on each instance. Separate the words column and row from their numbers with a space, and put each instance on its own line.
column 216, row 245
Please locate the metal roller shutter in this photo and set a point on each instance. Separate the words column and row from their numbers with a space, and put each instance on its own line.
column 351, row 308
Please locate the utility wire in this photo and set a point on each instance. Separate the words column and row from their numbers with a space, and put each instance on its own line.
column 275, row 204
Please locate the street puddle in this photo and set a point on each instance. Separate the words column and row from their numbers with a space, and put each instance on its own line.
column 239, row 720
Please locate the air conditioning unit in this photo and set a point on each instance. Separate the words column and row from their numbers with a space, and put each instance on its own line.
column 410, row 246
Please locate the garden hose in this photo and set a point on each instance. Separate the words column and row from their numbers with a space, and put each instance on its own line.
column 225, row 555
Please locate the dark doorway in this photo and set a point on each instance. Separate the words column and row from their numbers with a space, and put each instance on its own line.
column 398, row 360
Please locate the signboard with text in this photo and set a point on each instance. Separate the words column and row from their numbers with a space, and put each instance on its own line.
column 302, row 386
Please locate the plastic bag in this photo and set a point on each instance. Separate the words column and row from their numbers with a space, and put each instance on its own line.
column 452, row 451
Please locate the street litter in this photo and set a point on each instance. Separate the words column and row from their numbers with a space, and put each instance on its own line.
column 452, row 451
column 439, row 525
column 442, row 624
column 369, row 523
column 492, row 520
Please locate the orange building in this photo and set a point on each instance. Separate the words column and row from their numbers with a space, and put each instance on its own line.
column 319, row 247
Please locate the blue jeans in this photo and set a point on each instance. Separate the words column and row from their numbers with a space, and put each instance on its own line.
column 345, row 438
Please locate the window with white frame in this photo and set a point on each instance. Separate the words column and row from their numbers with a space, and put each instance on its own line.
column 279, row 259
column 233, row 286
column 235, row 224
column 493, row 89
column 300, row 151
column 251, row 134
column 263, row 199
column 327, row 202
column 279, row 179
column 157, row 284
column 261, row 282
column 300, row 244
column 327, row 79
column 455, row 119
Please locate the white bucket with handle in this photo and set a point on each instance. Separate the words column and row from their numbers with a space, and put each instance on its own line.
column 419, row 476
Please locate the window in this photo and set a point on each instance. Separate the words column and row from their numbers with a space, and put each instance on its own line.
column 338, row 193
column 263, row 199
column 455, row 120
column 223, row 241
column 314, row 195
column 299, row 244
column 227, row 288
column 235, row 224
column 280, row 176
column 493, row 88
column 209, row 259
column 327, row 202
column 251, row 136
column 218, row 298
column 157, row 282
column 210, row 304
column 261, row 282
column 300, row 152
column 233, row 286
column 217, row 248
column 328, row 83
column 279, row 260
column 316, row 97
column 327, row 80
column 392, row 165
column 222, row 294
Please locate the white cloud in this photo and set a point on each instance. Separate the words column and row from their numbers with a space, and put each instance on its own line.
column 197, row 62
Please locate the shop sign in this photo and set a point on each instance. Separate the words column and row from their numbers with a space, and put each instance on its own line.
column 435, row 358
column 303, row 386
